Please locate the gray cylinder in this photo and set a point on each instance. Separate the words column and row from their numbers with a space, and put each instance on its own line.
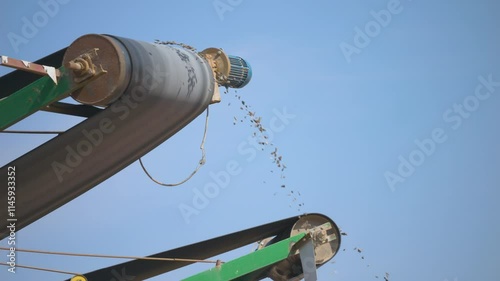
column 157, row 91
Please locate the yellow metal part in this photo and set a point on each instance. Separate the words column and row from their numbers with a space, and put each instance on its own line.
column 221, row 66
column 78, row 278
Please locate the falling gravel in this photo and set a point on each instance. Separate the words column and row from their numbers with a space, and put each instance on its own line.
column 251, row 118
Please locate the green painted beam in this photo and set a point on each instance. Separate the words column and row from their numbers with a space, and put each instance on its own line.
column 242, row 266
column 33, row 97
column 38, row 95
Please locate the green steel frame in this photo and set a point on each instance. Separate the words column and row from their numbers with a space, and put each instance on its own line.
column 238, row 269
column 38, row 95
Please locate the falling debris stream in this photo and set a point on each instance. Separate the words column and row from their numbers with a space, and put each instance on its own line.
column 262, row 139
column 259, row 134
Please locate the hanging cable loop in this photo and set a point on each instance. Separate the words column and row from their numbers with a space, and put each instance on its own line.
column 200, row 163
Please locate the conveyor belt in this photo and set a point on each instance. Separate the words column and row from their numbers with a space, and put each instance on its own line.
column 164, row 90
column 143, row 269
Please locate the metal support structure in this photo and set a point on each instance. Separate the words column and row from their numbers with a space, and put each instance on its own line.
column 39, row 69
column 308, row 261
column 41, row 93
column 32, row 98
column 81, row 110
column 240, row 268
column 16, row 80
column 310, row 224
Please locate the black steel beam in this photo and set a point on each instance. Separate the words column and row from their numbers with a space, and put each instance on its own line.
column 80, row 110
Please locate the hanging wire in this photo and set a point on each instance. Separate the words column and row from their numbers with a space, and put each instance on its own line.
column 200, row 163
column 42, row 269
column 32, row 132
column 109, row 256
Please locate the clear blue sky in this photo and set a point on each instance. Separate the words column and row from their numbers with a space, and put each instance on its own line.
column 358, row 106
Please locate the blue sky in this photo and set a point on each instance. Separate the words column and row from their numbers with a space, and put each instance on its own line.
column 357, row 118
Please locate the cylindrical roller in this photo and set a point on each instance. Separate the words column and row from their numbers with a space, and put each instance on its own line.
column 113, row 57
column 160, row 89
column 326, row 237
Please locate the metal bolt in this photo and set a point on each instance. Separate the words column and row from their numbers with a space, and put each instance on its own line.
column 76, row 66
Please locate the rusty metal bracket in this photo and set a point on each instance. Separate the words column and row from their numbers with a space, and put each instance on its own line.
column 23, row 65
column 39, row 95
column 83, row 67
column 219, row 62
